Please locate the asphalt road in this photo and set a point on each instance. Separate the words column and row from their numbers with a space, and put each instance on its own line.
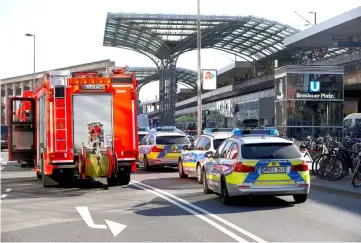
column 171, row 210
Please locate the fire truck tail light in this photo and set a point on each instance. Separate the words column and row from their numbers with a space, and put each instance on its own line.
column 57, row 155
column 130, row 153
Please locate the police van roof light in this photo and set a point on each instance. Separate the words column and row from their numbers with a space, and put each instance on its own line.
column 255, row 132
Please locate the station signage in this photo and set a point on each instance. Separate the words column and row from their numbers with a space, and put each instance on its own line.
column 209, row 78
column 314, row 92
column 314, row 96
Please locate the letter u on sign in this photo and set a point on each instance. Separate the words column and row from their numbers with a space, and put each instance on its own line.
column 314, row 86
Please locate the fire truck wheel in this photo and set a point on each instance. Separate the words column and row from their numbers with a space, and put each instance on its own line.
column 112, row 181
column 123, row 177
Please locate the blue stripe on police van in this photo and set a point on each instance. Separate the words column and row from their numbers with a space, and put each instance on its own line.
column 166, row 148
column 252, row 177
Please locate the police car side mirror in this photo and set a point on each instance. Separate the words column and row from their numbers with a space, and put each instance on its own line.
column 209, row 154
column 185, row 147
column 302, row 147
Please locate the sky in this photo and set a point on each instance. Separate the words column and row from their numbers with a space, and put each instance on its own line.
column 70, row 32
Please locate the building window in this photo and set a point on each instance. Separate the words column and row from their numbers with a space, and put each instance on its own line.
column 314, row 113
column 280, row 113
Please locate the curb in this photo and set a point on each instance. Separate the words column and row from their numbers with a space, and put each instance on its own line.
column 335, row 190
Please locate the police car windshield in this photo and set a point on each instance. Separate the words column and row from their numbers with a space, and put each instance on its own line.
column 270, row 151
column 166, row 140
column 141, row 136
column 217, row 142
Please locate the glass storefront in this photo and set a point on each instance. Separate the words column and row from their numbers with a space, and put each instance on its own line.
column 309, row 103
column 221, row 113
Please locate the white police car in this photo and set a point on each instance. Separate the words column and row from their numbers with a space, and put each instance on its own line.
column 191, row 161
column 256, row 162
column 162, row 146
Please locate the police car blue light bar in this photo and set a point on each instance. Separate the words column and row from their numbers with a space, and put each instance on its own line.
column 143, row 129
column 255, row 132
column 164, row 129
column 217, row 130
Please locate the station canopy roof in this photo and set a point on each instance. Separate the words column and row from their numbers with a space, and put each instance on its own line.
column 147, row 75
column 162, row 35
column 328, row 33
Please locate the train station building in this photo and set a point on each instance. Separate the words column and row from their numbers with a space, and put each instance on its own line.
column 302, row 82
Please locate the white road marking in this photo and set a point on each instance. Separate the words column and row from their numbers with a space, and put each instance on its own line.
column 7, row 190
column 207, row 220
column 3, row 195
column 233, row 226
column 85, row 214
column 33, row 224
column 114, row 227
column 1, row 168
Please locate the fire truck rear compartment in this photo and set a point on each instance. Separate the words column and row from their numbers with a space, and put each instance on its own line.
column 88, row 110
column 91, row 108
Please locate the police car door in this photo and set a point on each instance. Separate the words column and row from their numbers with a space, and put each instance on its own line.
column 218, row 164
column 189, row 164
column 142, row 147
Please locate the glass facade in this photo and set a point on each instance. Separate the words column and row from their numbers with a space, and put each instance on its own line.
column 222, row 114
column 309, row 104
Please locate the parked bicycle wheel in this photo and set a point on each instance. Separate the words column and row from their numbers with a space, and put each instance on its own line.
column 316, row 164
column 356, row 179
column 333, row 168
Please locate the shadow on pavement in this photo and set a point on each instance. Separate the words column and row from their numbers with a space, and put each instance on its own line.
column 26, row 188
column 173, row 183
column 336, row 200
column 141, row 170
column 159, row 207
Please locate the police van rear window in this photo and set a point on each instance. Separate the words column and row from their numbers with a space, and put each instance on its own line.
column 270, row 151
column 169, row 140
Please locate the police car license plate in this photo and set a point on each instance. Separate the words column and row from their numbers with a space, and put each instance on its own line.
column 272, row 170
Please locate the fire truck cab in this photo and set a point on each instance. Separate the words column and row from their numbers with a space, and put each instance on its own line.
column 79, row 126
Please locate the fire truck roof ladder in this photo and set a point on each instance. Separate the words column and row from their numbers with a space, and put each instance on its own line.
column 60, row 118
column 85, row 74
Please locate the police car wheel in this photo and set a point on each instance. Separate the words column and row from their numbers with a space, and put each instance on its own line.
column 226, row 200
column 146, row 164
column 199, row 174
column 300, row 198
column 180, row 170
column 206, row 189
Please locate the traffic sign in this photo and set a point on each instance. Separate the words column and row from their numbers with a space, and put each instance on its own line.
column 209, row 79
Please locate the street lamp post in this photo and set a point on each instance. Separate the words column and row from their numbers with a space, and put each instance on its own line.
column 31, row 35
column 199, row 83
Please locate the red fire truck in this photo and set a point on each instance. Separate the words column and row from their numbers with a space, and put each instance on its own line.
column 81, row 125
